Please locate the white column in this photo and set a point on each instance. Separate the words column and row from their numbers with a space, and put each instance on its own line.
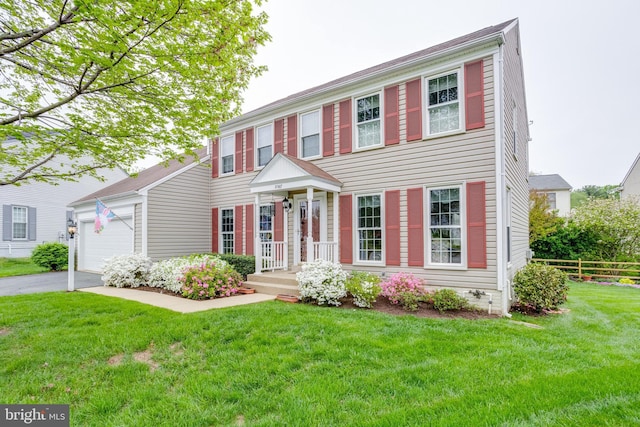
column 310, row 254
column 71, row 264
column 336, row 225
column 256, row 227
column 286, row 236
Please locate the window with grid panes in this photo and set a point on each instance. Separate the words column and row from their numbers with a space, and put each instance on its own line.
column 369, row 222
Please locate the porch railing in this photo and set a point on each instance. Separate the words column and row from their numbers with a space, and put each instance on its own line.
column 327, row 251
column 274, row 255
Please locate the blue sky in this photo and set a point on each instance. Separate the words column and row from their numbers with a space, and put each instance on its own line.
column 581, row 65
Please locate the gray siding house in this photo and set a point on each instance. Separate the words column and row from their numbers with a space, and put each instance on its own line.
column 161, row 213
column 557, row 190
column 416, row 165
column 630, row 186
column 37, row 212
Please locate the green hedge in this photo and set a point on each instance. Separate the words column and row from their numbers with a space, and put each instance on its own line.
column 243, row 264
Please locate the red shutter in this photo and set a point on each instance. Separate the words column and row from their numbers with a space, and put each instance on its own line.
column 249, row 150
column 346, row 236
column 415, row 227
column 278, row 136
column 476, row 225
column 391, row 116
column 238, row 228
column 392, row 224
column 215, row 163
column 414, row 109
column 292, row 135
column 250, row 221
column 278, row 220
column 214, row 230
column 474, row 95
column 238, row 152
column 327, row 131
column 345, row 126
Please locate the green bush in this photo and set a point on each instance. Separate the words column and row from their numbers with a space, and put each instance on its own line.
column 243, row 264
column 540, row 286
column 448, row 299
column 364, row 287
column 52, row 256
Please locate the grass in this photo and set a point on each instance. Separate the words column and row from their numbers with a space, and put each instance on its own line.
column 18, row 267
column 123, row 363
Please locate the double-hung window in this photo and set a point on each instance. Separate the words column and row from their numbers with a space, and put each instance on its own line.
column 227, row 230
column 369, row 226
column 227, row 150
column 310, row 134
column 19, row 220
column 551, row 199
column 443, row 104
column 368, row 121
column 445, row 225
column 265, row 144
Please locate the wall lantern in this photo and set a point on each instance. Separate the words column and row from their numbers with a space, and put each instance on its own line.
column 286, row 205
column 72, row 228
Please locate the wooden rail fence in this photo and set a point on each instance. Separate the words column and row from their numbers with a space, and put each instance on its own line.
column 602, row 269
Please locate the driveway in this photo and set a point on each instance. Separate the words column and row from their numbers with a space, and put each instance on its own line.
column 46, row 282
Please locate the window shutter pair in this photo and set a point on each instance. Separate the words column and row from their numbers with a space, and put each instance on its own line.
column 7, row 223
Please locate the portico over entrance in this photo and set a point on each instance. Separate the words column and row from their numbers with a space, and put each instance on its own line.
column 291, row 188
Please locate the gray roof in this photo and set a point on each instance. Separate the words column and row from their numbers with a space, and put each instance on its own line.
column 548, row 182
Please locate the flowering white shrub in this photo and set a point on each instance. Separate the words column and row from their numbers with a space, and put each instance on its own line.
column 126, row 271
column 323, row 282
column 166, row 274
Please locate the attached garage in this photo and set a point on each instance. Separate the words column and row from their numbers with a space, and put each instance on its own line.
column 94, row 248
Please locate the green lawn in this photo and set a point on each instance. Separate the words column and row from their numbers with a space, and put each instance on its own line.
column 282, row 364
column 18, row 267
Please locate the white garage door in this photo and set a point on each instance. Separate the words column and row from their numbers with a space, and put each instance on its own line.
column 115, row 239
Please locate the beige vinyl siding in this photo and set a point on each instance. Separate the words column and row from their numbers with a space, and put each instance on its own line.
column 517, row 166
column 137, row 220
column 179, row 215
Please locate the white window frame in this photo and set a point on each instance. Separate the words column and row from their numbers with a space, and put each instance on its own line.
column 514, row 130
column 224, row 233
column 356, row 231
column 555, row 200
column 257, row 143
column 302, row 135
column 509, row 228
column 463, row 227
column 380, row 120
column 229, row 139
column 14, row 222
column 461, row 118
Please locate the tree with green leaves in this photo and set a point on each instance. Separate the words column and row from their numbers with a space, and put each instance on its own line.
column 86, row 85
column 581, row 195
column 542, row 220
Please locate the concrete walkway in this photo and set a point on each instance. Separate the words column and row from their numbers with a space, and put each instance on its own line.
column 181, row 305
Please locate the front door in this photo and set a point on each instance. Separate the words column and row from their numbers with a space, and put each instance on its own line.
column 301, row 224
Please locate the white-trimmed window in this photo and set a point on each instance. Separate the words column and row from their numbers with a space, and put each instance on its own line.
column 369, row 227
column 227, row 151
column 443, row 103
column 514, row 128
column 368, row 124
column 226, row 221
column 310, row 134
column 264, row 146
column 19, row 222
column 445, row 219
column 509, row 211
column 551, row 199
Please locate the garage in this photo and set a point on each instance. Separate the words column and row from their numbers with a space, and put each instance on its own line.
column 94, row 248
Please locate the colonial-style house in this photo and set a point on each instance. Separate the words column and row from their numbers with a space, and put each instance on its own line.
column 557, row 190
column 415, row 165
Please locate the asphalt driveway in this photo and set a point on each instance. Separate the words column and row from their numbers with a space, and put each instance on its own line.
column 47, row 282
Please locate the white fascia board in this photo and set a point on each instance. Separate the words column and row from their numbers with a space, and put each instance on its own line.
column 286, row 185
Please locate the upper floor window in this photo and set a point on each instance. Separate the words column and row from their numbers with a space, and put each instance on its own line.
column 19, row 222
column 443, row 104
column 551, row 199
column 265, row 144
column 227, row 230
column 369, row 228
column 368, row 121
column 227, row 150
column 445, row 225
column 310, row 134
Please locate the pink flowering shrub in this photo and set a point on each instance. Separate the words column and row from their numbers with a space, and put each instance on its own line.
column 210, row 279
column 404, row 289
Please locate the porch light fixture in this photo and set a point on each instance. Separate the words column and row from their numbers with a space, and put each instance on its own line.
column 72, row 228
column 286, row 204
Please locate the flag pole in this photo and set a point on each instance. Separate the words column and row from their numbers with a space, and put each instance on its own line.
column 115, row 214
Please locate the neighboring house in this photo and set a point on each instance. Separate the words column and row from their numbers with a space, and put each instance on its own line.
column 416, row 165
column 631, row 183
column 162, row 213
column 37, row 212
column 557, row 190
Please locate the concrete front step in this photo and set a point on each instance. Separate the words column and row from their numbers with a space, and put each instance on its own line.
column 272, row 288
column 274, row 283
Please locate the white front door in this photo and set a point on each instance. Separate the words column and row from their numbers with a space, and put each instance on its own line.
column 301, row 226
